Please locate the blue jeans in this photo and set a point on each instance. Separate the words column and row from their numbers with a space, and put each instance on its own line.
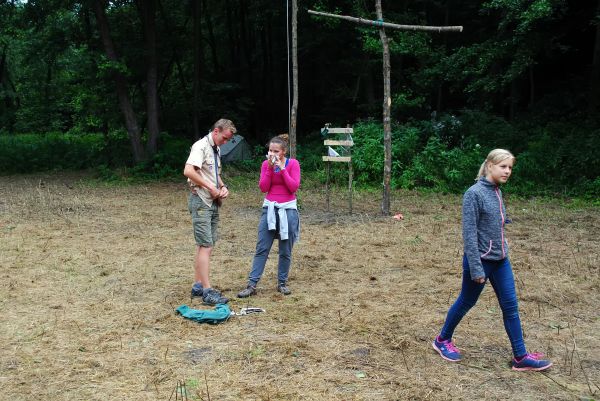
column 264, row 243
column 501, row 277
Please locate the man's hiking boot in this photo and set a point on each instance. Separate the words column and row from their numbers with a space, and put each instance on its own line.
column 246, row 292
column 197, row 292
column 213, row 297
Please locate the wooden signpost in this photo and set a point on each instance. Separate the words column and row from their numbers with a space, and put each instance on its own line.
column 347, row 144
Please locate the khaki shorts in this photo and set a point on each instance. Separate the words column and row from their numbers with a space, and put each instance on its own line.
column 205, row 221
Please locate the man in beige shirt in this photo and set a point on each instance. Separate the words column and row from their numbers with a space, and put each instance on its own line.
column 203, row 170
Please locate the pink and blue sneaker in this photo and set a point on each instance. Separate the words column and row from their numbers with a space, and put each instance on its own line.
column 446, row 349
column 531, row 362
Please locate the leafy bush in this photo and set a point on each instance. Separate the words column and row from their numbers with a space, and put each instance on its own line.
column 442, row 155
column 442, row 169
column 560, row 158
column 487, row 130
column 420, row 157
column 445, row 154
column 52, row 151
column 368, row 151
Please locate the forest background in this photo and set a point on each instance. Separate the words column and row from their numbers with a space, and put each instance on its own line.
column 125, row 87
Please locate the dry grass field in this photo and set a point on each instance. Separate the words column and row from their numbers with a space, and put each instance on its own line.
column 91, row 275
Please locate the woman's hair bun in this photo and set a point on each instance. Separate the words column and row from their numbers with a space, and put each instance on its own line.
column 284, row 137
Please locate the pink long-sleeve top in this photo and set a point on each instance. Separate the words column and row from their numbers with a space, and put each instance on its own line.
column 280, row 186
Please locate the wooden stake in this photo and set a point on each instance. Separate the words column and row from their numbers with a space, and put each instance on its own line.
column 350, row 173
column 327, row 185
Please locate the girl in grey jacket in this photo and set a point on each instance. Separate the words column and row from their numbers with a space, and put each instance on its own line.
column 486, row 258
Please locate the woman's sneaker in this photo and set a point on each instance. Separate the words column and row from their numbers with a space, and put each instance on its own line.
column 446, row 349
column 282, row 288
column 246, row 292
column 531, row 362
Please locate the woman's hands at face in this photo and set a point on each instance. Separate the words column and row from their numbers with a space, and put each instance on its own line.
column 275, row 160
column 276, row 156
column 280, row 162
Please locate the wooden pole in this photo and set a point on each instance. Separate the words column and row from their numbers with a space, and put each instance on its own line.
column 327, row 185
column 294, row 113
column 350, row 174
column 387, row 125
column 380, row 23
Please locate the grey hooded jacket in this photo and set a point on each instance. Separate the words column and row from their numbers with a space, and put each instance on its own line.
column 483, row 219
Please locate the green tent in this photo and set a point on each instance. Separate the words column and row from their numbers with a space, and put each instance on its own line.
column 236, row 149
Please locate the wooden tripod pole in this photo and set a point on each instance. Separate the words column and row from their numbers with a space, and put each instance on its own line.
column 387, row 98
column 380, row 23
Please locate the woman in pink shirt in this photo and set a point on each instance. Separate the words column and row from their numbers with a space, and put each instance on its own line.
column 279, row 179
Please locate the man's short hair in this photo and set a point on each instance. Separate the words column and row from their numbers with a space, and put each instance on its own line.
column 225, row 124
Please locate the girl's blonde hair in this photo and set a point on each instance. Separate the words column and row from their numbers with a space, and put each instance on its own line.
column 495, row 156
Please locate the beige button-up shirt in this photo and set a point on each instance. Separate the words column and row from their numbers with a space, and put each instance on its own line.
column 203, row 158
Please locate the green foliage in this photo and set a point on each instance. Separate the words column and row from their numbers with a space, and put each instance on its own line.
column 310, row 154
column 440, row 155
column 52, row 151
column 324, row 6
column 560, row 158
column 410, row 43
column 108, row 67
column 517, row 77
column 367, row 152
column 166, row 164
column 405, row 102
column 27, row 153
column 523, row 14
column 441, row 168
column 445, row 154
column 420, row 157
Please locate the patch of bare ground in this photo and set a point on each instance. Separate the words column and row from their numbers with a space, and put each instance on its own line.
column 91, row 274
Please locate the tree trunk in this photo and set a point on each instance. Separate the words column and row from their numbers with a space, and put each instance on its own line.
column 148, row 11
column 3, row 63
column 440, row 84
column 175, row 58
column 272, row 77
column 5, row 82
column 369, row 84
column 387, row 126
column 87, row 23
column 211, row 39
column 198, row 56
column 232, row 38
column 47, row 100
column 531, row 87
column 594, row 94
column 131, row 124
column 265, row 62
column 513, row 99
column 246, row 46
column 10, row 90
column 245, row 42
column 294, row 112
